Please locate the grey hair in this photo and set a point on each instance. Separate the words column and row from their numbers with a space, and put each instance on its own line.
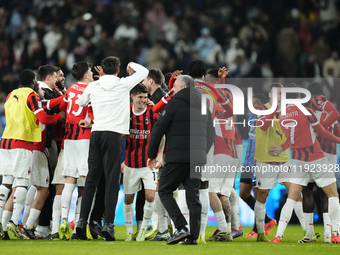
column 186, row 80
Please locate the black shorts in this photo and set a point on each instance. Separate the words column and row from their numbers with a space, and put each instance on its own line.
column 248, row 178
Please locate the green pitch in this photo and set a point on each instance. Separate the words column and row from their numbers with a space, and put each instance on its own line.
column 240, row 245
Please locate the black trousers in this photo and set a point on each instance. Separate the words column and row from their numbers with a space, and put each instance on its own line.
column 173, row 174
column 104, row 158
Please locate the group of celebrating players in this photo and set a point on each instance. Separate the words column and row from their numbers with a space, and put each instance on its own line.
column 45, row 148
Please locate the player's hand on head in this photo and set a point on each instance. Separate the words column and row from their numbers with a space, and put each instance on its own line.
column 275, row 150
column 223, row 72
column 129, row 70
column 176, row 73
column 150, row 103
column 151, row 163
column 100, row 71
column 63, row 115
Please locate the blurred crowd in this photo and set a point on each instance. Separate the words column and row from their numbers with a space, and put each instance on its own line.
column 252, row 38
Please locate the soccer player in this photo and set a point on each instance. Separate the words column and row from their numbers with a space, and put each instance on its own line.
column 142, row 119
column 268, row 135
column 327, row 114
column 247, row 180
column 77, row 140
column 307, row 155
column 22, row 110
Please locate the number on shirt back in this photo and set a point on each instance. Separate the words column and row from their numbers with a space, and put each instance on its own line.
column 291, row 126
column 71, row 96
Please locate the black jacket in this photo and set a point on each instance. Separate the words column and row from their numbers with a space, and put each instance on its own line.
column 189, row 133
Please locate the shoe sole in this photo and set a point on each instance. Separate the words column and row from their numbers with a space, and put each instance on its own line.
column 13, row 230
column 178, row 239
column 108, row 236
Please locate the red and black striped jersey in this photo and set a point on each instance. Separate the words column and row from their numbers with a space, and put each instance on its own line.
column 75, row 113
column 298, row 127
column 318, row 104
column 34, row 105
column 225, row 131
column 40, row 146
column 138, row 139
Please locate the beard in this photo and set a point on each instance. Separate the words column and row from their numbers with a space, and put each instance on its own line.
column 59, row 85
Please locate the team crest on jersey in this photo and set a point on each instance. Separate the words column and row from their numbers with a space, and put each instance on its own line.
column 259, row 183
column 47, row 180
column 29, row 171
column 146, row 121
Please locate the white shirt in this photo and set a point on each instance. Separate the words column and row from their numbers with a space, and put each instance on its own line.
column 110, row 100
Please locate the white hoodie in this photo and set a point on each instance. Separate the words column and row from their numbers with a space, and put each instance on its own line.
column 110, row 100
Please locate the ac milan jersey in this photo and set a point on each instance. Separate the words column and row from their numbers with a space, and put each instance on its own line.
column 318, row 104
column 40, row 146
column 35, row 106
column 225, row 130
column 298, row 127
column 138, row 139
column 75, row 113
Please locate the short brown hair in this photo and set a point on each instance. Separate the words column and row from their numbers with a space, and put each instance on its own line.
column 276, row 85
column 157, row 75
column 110, row 65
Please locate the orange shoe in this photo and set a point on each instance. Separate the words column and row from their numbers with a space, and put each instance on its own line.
column 277, row 239
column 268, row 226
column 252, row 234
column 335, row 239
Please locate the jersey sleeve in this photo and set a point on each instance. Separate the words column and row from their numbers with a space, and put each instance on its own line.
column 312, row 118
column 34, row 104
column 318, row 103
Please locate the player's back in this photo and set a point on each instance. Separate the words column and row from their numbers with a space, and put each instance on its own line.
column 298, row 127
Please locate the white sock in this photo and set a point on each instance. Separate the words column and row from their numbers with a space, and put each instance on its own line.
column 29, row 200
column 182, row 204
column 299, row 214
column 204, row 198
column 66, row 197
column 286, row 214
column 19, row 202
column 3, row 198
column 32, row 220
column 327, row 224
column 77, row 214
column 128, row 215
column 260, row 212
column 56, row 214
column 309, row 219
column 333, row 211
column 228, row 227
column 148, row 210
column 162, row 214
column 6, row 216
column 222, row 223
column 235, row 211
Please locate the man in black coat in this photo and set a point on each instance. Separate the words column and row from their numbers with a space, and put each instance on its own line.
column 189, row 138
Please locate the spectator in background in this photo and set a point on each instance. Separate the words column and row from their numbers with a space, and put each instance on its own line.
column 170, row 29
column 332, row 63
column 59, row 56
column 312, row 68
column 157, row 56
column 126, row 31
column 51, row 40
column 205, row 44
column 321, row 50
column 232, row 53
column 156, row 18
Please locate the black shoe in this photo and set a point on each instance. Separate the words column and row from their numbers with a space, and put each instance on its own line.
column 108, row 232
column 81, row 229
column 178, row 236
column 189, row 241
column 29, row 233
column 6, row 236
column 74, row 236
column 52, row 237
column 96, row 229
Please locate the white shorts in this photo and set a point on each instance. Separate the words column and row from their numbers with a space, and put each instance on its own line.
column 40, row 175
column 267, row 174
column 133, row 177
column 239, row 149
column 58, row 178
column 16, row 163
column 305, row 172
column 223, row 183
column 75, row 158
column 210, row 161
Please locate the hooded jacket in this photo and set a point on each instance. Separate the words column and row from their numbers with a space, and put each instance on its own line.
column 110, row 100
column 189, row 133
